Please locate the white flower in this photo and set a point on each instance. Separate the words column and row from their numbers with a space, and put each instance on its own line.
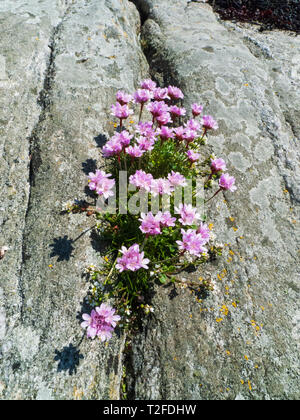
column 3, row 249
column 148, row 309
column 212, row 236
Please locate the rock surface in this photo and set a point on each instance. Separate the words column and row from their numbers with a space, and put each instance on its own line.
column 64, row 63
column 60, row 66
column 242, row 342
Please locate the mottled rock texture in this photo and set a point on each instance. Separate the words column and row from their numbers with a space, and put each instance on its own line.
column 242, row 342
column 64, row 62
column 61, row 63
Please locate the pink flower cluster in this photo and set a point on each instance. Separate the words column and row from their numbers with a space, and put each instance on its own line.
column 121, row 142
column 142, row 139
column 227, row 182
column 100, row 183
column 193, row 241
column 163, row 114
column 217, row 165
column 193, row 156
column 132, row 259
column 121, row 111
column 158, row 186
column 151, row 225
column 117, row 144
column 209, row 123
column 101, row 322
column 188, row 214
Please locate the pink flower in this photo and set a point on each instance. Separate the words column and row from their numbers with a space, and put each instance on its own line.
column 192, row 242
column 145, row 144
column 204, row 231
column 164, row 118
column 193, row 156
column 95, row 178
column 209, row 123
column 176, row 111
column 146, row 129
column 193, row 125
column 166, row 220
column 226, row 182
column 217, row 165
column 123, row 98
column 176, row 179
column 150, row 224
column 157, row 108
column 189, row 135
column 100, row 183
column 179, row 133
column 101, row 322
column 132, row 259
column 188, row 214
column 105, row 188
column 161, row 186
column 125, row 138
column 113, row 147
column 141, row 180
column 134, row 151
column 160, row 94
column 148, row 84
column 142, row 95
column 165, row 133
column 121, row 111
column 175, row 92
column 197, row 109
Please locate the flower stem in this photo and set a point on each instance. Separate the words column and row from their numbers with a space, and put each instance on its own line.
column 209, row 177
column 125, row 160
column 144, row 243
column 141, row 111
column 111, row 271
column 213, row 196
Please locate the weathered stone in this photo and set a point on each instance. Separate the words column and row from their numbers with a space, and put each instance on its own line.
column 65, row 60
column 60, row 66
column 241, row 342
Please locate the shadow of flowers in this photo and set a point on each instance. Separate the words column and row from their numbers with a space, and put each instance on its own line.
column 68, row 359
column 62, row 248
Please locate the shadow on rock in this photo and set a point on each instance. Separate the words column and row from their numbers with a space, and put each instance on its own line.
column 173, row 293
column 89, row 193
column 90, row 165
column 62, row 248
column 98, row 243
column 68, row 359
column 101, row 139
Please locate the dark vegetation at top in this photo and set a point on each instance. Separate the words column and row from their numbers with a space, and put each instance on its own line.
column 270, row 14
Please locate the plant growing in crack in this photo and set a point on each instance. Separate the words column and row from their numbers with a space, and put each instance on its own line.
column 153, row 160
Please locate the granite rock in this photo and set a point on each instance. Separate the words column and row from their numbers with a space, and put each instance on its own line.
column 60, row 66
column 64, row 62
column 242, row 341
